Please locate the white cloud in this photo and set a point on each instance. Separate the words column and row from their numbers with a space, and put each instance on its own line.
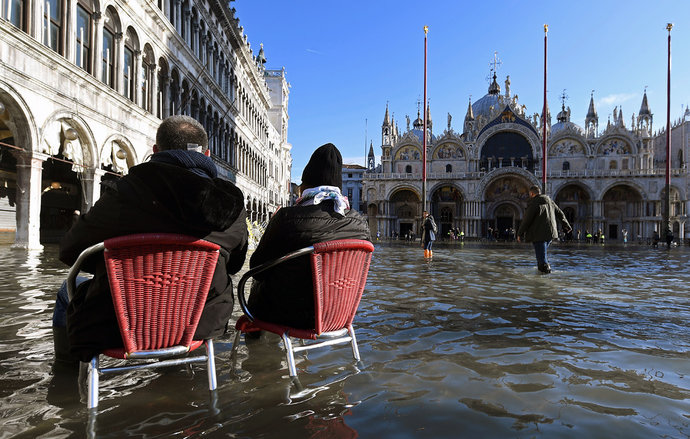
column 314, row 51
column 615, row 98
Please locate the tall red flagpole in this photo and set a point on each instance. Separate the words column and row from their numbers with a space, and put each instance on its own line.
column 426, row 30
column 667, row 207
column 544, row 120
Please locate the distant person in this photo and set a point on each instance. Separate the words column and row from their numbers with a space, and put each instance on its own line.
column 176, row 191
column 284, row 294
column 539, row 225
column 625, row 236
column 669, row 238
column 428, row 234
column 656, row 239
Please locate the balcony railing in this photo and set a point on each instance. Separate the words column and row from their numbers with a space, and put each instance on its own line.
column 585, row 173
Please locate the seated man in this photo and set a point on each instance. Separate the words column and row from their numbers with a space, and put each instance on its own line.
column 177, row 191
column 284, row 294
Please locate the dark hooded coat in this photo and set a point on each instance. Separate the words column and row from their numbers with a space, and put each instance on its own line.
column 155, row 197
column 284, row 294
column 539, row 222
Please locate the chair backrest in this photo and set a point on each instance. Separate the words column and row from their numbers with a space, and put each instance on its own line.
column 339, row 272
column 159, row 283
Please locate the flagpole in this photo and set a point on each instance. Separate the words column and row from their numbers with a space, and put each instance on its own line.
column 426, row 30
column 544, row 119
column 667, row 201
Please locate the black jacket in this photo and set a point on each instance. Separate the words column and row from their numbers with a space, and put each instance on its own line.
column 284, row 294
column 162, row 198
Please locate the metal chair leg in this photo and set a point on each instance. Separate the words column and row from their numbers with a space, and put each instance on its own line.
column 211, row 365
column 92, row 398
column 290, row 355
column 353, row 342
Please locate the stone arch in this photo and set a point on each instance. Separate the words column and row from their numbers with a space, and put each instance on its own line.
column 576, row 201
column 529, row 134
column 18, row 118
column 621, row 205
column 55, row 139
column 616, row 144
column 507, row 148
column 110, row 153
column 489, row 177
column 446, row 202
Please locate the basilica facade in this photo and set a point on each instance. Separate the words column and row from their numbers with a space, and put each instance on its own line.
column 84, row 85
column 608, row 179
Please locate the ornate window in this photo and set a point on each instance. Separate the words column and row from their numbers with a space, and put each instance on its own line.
column 53, row 25
column 566, row 166
column 149, row 70
column 83, row 40
column 449, row 168
column 129, row 69
column 109, row 50
column 408, row 169
column 15, row 12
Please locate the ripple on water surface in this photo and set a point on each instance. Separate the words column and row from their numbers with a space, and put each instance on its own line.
column 473, row 343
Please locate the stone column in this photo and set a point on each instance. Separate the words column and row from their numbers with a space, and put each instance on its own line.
column 90, row 184
column 29, row 191
column 137, row 77
column 97, row 45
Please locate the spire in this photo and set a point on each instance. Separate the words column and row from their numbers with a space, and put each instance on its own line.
column 371, row 149
column 644, row 108
column 428, row 112
column 494, row 88
column 470, row 113
column 592, row 112
column 386, row 118
column 261, row 58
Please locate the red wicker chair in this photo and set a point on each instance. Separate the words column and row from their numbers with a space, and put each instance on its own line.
column 159, row 283
column 339, row 273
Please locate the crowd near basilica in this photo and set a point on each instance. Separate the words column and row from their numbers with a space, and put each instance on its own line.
column 608, row 176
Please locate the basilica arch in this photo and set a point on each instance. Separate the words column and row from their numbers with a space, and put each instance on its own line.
column 575, row 200
column 446, row 208
column 404, row 208
column 505, row 198
column 622, row 207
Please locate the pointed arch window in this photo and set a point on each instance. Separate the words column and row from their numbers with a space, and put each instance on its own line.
column 449, row 168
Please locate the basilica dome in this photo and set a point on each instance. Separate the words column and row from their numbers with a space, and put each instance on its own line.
column 564, row 124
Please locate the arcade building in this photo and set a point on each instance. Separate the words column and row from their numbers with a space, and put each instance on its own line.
column 84, row 85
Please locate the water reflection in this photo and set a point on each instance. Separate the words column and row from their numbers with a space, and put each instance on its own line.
column 473, row 343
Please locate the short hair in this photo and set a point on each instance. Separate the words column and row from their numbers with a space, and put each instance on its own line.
column 535, row 190
column 179, row 131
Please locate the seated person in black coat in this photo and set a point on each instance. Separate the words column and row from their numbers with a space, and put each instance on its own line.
column 177, row 191
column 284, row 294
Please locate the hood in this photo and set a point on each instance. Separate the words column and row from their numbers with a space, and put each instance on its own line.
column 166, row 190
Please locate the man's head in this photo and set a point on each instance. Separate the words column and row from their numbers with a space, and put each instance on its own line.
column 325, row 168
column 425, row 214
column 534, row 191
column 180, row 132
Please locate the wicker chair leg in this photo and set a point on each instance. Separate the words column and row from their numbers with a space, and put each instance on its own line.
column 290, row 355
column 92, row 397
column 353, row 342
column 211, row 365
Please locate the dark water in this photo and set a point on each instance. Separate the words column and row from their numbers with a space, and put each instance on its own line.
column 473, row 344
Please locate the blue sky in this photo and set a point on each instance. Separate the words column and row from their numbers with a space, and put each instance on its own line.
column 346, row 60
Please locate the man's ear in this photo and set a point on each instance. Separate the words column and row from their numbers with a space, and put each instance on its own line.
column 207, row 153
column 155, row 149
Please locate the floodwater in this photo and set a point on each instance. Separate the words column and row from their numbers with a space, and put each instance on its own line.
column 472, row 344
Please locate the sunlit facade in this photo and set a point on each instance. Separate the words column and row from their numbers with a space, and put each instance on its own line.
column 84, row 85
column 610, row 179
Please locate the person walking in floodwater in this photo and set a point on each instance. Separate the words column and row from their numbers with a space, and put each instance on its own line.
column 428, row 234
column 539, row 225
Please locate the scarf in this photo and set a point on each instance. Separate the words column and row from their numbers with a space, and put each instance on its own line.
column 316, row 195
column 192, row 161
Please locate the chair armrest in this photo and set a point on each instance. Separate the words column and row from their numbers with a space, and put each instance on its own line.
column 263, row 267
column 76, row 268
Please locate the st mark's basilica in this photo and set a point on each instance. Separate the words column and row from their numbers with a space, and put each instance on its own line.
column 609, row 178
